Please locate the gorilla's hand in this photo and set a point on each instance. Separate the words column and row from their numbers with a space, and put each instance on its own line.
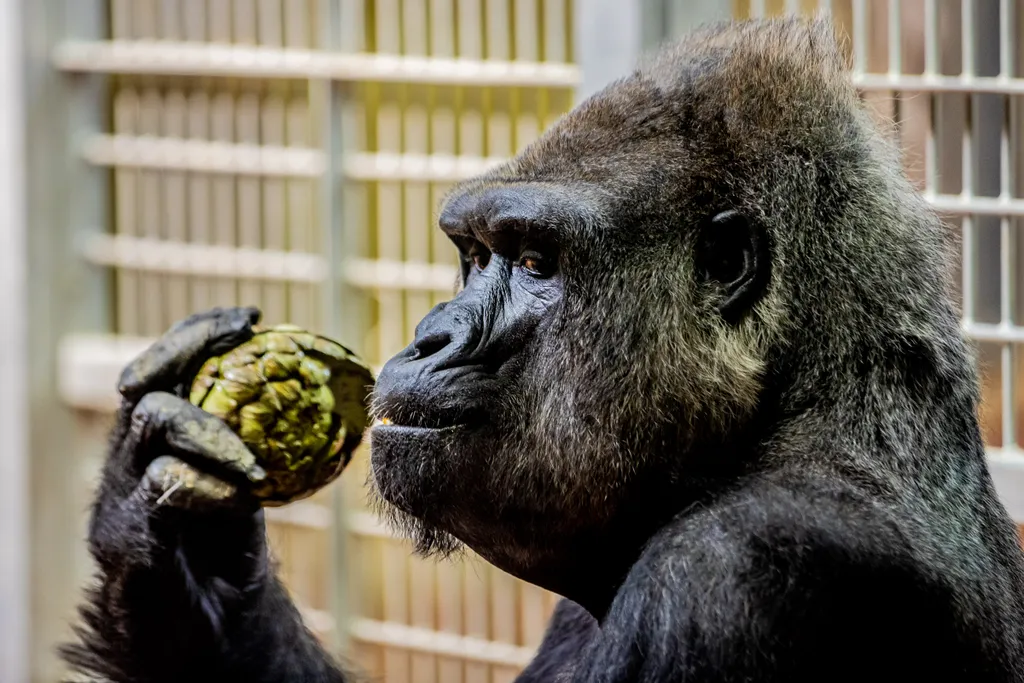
column 185, row 589
column 174, row 487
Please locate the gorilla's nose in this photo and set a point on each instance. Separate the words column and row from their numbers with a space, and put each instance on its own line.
column 431, row 343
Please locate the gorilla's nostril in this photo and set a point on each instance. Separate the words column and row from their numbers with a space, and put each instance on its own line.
column 430, row 344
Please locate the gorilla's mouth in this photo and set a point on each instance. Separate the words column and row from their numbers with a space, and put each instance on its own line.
column 386, row 425
column 412, row 417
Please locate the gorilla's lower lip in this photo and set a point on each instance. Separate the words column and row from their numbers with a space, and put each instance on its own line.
column 393, row 428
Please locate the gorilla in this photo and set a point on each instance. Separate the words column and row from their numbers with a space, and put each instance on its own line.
column 703, row 378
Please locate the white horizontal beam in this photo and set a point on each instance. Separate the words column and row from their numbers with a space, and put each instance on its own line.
column 245, row 263
column 301, row 513
column 1000, row 333
column 965, row 204
column 1007, row 467
column 169, row 58
column 405, row 275
column 437, row 168
column 206, row 156
column 440, row 643
column 935, row 83
column 89, row 366
column 202, row 260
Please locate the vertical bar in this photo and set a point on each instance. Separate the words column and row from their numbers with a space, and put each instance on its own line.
column 1005, row 39
column 860, row 27
column 967, row 39
column 554, row 31
column 1007, row 238
column 274, row 203
column 504, row 617
column 527, row 49
column 247, row 127
column 968, row 260
column 931, row 67
column 14, row 417
column 471, row 143
column 222, row 129
column 895, row 39
column 417, row 234
column 69, row 202
column 325, row 99
column 448, row 575
column 151, row 218
column 246, row 124
column 175, row 203
column 757, row 8
column 199, row 206
column 416, row 194
column 397, row 664
column 270, row 25
column 442, row 142
column 608, row 36
column 173, row 125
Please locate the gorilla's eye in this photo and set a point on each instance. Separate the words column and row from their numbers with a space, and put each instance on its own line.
column 538, row 264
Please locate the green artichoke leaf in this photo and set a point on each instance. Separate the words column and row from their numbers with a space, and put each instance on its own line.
column 298, row 400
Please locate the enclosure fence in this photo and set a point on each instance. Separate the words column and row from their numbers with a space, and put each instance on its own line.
column 292, row 154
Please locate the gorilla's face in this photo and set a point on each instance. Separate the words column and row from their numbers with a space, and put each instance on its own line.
column 609, row 341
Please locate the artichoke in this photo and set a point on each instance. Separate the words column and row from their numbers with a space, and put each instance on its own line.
column 297, row 400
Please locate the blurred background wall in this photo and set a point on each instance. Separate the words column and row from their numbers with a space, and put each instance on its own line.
column 159, row 157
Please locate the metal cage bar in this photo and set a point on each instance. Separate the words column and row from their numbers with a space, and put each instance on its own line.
column 14, row 311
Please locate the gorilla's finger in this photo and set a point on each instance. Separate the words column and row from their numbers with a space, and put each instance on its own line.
column 164, row 423
column 178, row 354
column 173, row 482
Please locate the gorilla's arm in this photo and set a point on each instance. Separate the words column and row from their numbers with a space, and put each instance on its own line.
column 718, row 595
column 568, row 634
column 185, row 589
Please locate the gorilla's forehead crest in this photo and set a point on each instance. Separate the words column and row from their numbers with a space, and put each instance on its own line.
column 745, row 87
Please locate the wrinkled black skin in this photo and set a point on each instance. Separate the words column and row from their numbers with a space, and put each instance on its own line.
column 826, row 516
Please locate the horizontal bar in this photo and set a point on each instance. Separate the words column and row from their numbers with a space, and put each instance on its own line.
column 220, row 261
column 302, row 514
column 1007, row 468
column 405, row 275
column 170, row 58
column 368, row 525
column 318, row 621
column 1000, row 333
column 89, row 366
column 935, row 83
column 202, row 260
column 440, row 643
column 438, row 168
column 205, row 156
column 962, row 204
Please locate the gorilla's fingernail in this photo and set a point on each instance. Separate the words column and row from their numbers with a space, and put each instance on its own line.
column 257, row 473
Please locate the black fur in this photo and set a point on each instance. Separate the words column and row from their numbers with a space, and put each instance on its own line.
column 763, row 467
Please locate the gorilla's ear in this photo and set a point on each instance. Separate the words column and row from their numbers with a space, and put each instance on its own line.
column 733, row 252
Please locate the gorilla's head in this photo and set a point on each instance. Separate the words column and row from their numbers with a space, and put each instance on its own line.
column 688, row 258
